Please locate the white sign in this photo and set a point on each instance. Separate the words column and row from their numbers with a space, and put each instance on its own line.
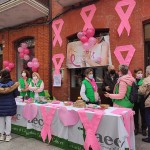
column 57, row 80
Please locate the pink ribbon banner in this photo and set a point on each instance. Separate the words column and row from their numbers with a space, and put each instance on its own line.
column 124, row 16
column 59, row 64
column 47, row 119
column 87, row 19
column 57, row 27
column 91, row 128
column 130, row 49
column 127, row 115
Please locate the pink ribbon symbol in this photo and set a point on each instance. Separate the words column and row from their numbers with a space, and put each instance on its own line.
column 72, row 59
column 47, row 119
column 57, row 31
column 58, row 65
column 88, row 19
column 90, row 128
column 127, row 115
column 127, row 60
column 124, row 16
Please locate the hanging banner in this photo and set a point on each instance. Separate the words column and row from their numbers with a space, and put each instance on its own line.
column 97, row 55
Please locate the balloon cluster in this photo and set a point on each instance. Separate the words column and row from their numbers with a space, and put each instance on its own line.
column 34, row 64
column 24, row 51
column 86, row 37
column 8, row 65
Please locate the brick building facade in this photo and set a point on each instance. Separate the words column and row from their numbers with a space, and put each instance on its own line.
column 105, row 17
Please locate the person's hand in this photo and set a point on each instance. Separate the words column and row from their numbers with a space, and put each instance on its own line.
column 87, row 55
column 36, row 90
column 107, row 88
column 106, row 94
column 23, row 90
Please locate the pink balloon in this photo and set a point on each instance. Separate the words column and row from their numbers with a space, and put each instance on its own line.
column 86, row 46
column 26, row 57
column 7, row 68
column 90, row 32
column 34, row 69
column 36, row 64
column 84, row 39
column 23, row 45
column 6, row 63
column 34, row 60
column 80, row 34
column 20, row 49
column 11, row 65
column 21, row 55
column 30, row 64
column 92, row 41
column 26, row 51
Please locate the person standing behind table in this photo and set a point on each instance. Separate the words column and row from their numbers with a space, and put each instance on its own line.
column 144, row 89
column 24, row 83
column 139, row 105
column 122, row 89
column 7, row 105
column 36, row 86
column 110, row 79
column 89, row 88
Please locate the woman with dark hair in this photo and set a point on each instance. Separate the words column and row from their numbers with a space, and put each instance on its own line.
column 7, row 105
column 139, row 105
column 24, row 83
column 89, row 88
column 122, row 89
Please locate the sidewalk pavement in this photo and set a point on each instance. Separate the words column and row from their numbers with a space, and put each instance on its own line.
column 22, row 143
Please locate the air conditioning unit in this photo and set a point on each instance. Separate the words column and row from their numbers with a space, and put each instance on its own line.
column 65, row 3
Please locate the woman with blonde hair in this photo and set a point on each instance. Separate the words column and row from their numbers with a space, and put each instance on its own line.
column 36, row 86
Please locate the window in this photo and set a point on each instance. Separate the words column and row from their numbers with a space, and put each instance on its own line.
column 147, row 44
column 21, row 63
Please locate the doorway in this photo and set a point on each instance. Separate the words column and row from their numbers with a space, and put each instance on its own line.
column 147, row 44
column 77, row 76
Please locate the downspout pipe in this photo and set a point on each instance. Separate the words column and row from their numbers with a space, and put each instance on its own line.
column 50, row 49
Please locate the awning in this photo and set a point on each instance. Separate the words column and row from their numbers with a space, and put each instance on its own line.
column 65, row 3
column 15, row 12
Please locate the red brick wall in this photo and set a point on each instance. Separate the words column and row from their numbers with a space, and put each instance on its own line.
column 41, row 35
column 105, row 17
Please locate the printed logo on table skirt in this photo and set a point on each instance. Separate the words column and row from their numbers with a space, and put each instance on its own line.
column 107, row 142
column 37, row 123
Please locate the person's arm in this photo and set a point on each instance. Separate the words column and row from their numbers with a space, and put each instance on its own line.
column 142, row 89
column 122, row 91
column 105, row 53
column 104, row 56
column 32, row 88
column 19, row 88
column 41, row 88
column 9, row 89
column 82, row 93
